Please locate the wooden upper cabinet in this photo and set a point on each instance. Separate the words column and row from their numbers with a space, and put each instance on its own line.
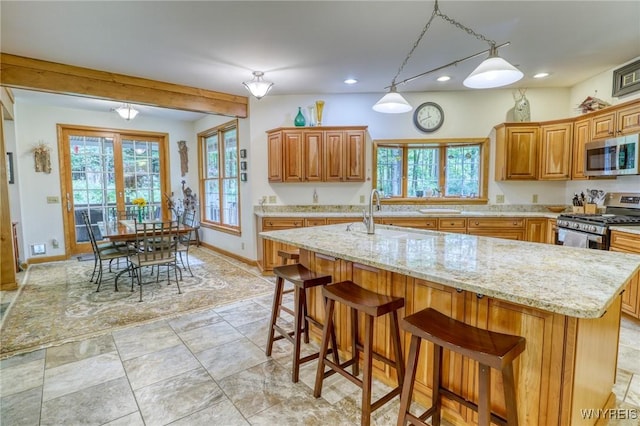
column 555, row 153
column 517, row 151
column 274, row 151
column 317, row 154
column 312, row 156
column 621, row 121
column 292, row 149
column 581, row 135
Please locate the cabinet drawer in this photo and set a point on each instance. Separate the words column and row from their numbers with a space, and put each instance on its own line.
column 281, row 222
column 316, row 221
column 336, row 220
column 625, row 241
column 496, row 223
column 411, row 222
column 452, row 223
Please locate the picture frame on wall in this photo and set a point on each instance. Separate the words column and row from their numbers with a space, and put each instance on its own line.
column 243, row 177
column 243, row 153
column 10, row 171
column 626, row 79
column 243, row 165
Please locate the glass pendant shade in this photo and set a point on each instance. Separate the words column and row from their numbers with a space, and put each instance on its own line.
column 127, row 112
column 493, row 72
column 392, row 103
column 258, row 87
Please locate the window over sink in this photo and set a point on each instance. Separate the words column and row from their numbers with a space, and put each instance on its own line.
column 432, row 170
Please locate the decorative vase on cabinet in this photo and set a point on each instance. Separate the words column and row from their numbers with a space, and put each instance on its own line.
column 299, row 120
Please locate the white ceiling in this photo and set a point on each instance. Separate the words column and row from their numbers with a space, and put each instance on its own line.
column 312, row 46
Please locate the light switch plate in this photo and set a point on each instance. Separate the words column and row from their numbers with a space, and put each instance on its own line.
column 272, row 199
column 362, row 199
column 53, row 200
column 534, row 199
column 500, row 198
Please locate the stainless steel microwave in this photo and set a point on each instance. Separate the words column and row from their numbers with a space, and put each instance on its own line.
column 612, row 157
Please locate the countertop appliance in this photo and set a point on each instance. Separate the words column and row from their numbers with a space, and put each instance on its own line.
column 592, row 230
column 613, row 157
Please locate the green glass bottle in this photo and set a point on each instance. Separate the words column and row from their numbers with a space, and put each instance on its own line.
column 299, row 120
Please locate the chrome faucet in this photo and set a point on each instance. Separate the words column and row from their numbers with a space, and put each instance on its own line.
column 368, row 221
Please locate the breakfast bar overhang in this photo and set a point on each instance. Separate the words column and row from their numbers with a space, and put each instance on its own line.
column 564, row 301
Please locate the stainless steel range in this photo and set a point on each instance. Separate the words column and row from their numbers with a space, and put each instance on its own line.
column 592, row 230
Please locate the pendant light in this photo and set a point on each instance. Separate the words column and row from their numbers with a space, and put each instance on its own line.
column 492, row 72
column 127, row 112
column 258, row 87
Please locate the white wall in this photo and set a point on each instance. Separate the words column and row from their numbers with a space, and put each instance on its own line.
column 42, row 222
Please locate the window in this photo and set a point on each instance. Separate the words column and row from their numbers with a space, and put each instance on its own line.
column 218, row 153
column 454, row 169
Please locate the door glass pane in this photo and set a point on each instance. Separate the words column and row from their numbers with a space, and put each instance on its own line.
column 230, row 154
column 141, row 164
column 212, row 157
column 92, row 180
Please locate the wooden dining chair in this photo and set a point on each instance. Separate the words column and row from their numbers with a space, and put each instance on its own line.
column 156, row 244
column 184, row 239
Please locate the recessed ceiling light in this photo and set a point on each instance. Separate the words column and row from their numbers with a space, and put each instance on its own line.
column 541, row 75
column 444, row 78
column 350, row 81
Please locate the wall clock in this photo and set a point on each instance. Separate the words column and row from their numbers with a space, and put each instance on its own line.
column 428, row 117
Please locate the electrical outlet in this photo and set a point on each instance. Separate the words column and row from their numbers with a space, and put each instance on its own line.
column 534, row 199
column 362, row 199
column 272, row 199
column 37, row 249
column 241, row 246
column 500, row 198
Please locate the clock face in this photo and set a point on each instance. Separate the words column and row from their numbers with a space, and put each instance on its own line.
column 428, row 117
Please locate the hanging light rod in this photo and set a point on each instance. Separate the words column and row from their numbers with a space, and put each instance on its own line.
column 410, row 79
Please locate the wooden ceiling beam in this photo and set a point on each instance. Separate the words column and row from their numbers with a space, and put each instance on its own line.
column 34, row 74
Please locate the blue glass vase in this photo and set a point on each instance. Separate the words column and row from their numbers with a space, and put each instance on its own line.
column 299, row 120
column 139, row 214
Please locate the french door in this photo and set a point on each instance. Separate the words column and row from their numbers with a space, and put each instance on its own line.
column 103, row 171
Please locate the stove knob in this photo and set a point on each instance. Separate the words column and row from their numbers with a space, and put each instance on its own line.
column 576, row 226
column 592, row 228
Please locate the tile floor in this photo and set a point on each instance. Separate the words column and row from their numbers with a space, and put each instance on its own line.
column 207, row 368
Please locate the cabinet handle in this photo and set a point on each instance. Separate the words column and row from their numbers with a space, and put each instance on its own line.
column 479, row 296
column 459, row 290
column 477, row 223
column 515, row 223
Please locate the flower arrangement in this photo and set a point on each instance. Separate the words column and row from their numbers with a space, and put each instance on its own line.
column 140, row 202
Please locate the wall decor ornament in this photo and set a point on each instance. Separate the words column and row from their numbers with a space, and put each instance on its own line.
column 626, row 79
column 10, row 172
column 42, row 158
column 319, row 110
column 522, row 108
column 184, row 157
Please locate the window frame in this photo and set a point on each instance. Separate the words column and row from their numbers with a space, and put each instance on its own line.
column 202, row 176
column 405, row 144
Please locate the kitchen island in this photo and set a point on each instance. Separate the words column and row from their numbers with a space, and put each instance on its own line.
column 564, row 301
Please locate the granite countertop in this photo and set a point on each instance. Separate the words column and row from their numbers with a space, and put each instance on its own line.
column 407, row 213
column 628, row 229
column 569, row 281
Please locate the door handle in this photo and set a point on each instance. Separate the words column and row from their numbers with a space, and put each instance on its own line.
column 68, row 203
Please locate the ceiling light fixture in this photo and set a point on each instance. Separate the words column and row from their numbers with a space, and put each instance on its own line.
column 350, row 81
column 127, row 112
column 492, row 72
column 443, row 78
column 541, row 75
column 258, row 87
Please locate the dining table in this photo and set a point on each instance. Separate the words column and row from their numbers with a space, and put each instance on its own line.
column 124, row 231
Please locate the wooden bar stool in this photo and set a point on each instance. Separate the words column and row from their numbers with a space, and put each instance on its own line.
column 302, row 279
column 488, row 348
column 287, row 255
column 373, row 305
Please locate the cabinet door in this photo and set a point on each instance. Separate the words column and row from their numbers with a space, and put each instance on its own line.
column 628, row 120
column 602, row 126
column 333, row 168
column 581, row 135
column 537, row 230
column 555, row 156
column 452, row 224
column 354, row 146
column 551, row 231
column 522, row 153
column 274, row 148
column 292, row 148
column 312, row 156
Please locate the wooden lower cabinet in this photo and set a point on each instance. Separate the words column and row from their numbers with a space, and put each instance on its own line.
column 536, row 230
column 411, row 222
column 453, row 224
column 507, row 228
column 628, row 243
column 569, row 364
column 269, row 248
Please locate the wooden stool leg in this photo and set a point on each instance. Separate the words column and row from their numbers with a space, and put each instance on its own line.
column 510, row 395
column 354, row 342
column 305, row 314
column 395, row 337
column 484, row 386
column 437, row 384
column 299, row 321
column 409, row 377
column 367, row 373
column 324, row 346
column 275, row 309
